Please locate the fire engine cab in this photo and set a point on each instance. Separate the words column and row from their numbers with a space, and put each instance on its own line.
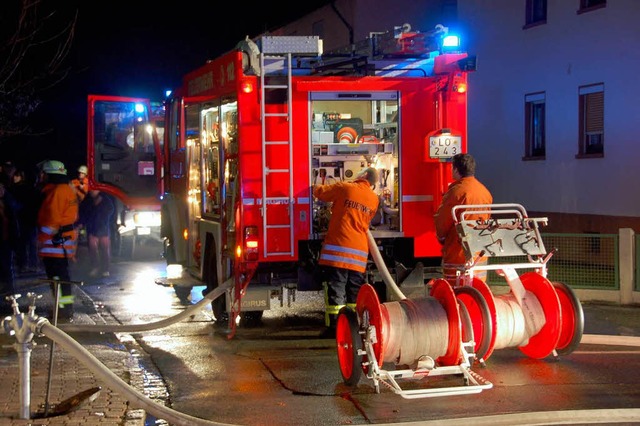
column 248, row 134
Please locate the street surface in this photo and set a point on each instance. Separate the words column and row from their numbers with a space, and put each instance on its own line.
column 281, row 372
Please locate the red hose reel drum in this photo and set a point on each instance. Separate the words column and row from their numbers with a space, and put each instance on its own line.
column 561, row 315
column 549, row 318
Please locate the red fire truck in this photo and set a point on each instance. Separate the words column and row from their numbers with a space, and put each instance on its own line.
column 249, row 133
column 122, row 156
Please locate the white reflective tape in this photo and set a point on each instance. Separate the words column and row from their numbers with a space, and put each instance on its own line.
column 414, row 198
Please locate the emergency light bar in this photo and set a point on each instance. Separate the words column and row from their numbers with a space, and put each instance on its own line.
column 450, row 41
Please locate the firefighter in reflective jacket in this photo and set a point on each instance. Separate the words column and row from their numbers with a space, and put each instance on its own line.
column 465, row 190
column 346, row 248
column 57, row 237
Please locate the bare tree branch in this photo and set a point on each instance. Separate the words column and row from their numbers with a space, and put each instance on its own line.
column 34, row 43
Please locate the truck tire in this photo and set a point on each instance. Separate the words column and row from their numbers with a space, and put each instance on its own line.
column 251, row 318
column 219, row 308
column 183, row 294
column 210, row 278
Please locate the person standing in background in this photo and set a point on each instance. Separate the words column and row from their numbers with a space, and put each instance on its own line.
column 28, row 201
column 96, row 216
column 81, row 183
column 8, row 241
column 465, row 190
column 57, row 236
column 6, row 173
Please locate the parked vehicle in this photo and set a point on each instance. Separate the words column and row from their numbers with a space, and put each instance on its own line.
column 248, row 134
column 122, row 157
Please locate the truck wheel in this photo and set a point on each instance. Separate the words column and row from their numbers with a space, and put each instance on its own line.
column 210, row 278
column 251, row 318
column 219, row 308
column 183, row 294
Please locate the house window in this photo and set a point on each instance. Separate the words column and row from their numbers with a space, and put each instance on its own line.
column 534, row 126
column 589, row 5
column 536, row 12
column 591, row 122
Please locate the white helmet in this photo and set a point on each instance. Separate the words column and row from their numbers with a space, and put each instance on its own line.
column 54, row 167
column 83, row 169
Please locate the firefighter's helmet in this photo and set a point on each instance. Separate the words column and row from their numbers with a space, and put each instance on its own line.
column 54, row 167
column 83, row 169
column 369, row 174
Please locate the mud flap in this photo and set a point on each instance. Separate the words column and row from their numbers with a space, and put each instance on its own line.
column 310, row 278
column 254, row 299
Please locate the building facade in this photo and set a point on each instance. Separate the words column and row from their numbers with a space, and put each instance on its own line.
column 551, row 106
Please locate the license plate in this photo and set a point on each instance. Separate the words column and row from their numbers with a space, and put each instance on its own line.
column 144, row 231
column 444, row 146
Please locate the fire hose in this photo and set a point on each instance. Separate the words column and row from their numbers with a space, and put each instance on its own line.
column 136, row 398
column 24, row 327
column 133, row 328
column 382, row 268
column 42, row 325
column 37, row 325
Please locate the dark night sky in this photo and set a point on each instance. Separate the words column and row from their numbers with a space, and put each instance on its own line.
column 140, row 48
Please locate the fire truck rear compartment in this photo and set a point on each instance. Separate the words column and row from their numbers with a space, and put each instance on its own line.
column 281, row 280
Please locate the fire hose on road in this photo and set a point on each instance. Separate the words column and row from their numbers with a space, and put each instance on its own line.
column 25, row 326
column 393, row 332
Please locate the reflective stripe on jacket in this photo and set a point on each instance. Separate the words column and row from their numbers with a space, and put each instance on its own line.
column 59, row 208
column 354, row 205
column 467, row 190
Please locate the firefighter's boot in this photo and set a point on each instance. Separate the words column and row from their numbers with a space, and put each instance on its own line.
column 330, row 315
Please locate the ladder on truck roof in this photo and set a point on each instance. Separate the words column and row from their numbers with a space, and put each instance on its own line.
column 276, row 53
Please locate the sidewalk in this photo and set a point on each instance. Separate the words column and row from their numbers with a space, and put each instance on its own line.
column 68, row 377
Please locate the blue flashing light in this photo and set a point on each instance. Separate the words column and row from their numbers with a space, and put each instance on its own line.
column 167, row 93
column 451, row 41
column 140, row 108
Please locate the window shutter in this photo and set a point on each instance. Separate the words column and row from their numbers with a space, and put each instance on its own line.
column 595, row 112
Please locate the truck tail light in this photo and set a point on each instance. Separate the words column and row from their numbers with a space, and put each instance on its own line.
column 251, row 243
column 459, row 84
column 460, row 87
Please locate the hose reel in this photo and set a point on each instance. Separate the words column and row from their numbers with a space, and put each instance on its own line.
column 462, row 322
